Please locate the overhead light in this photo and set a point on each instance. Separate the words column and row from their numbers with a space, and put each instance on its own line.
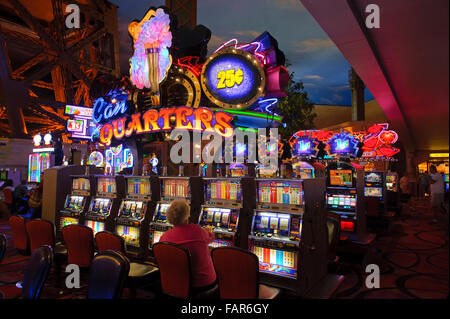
column 439, row 154
column 37, row 140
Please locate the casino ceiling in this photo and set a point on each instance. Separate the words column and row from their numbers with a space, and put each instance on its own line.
column 404, row 63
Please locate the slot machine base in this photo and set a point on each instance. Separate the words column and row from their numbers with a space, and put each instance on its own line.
column 326, row 287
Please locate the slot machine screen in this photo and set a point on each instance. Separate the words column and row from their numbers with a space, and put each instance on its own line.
column 176, row 188
column 106, row 185
column 139, row 186
column 373, row 192
column 229, row 189
column 161, row 210
column 305, row 173
column 274, row 223
column 276, row 262
column 66, row 221
column 343, row 178
column 373, row 177
column 156, row 236
column 346, row 202
column 4, row 175
column 81, row 184
column 95, row 226
column 132, row 209
column 280, row 192
column 446, row 178
column 75, row 203
column 101, row 205
column 129, row 234
column 221, row 217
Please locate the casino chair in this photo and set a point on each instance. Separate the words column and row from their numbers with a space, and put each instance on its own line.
column 20, row 237
column 3, row 242
column 79, row 241
column 36, row 274
column 139, row 272
column 334, row 234
column 42, row 232
column 109, row 270
column 174, row 262
column 238, row 275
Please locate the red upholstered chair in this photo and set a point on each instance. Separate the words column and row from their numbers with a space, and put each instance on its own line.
column 175, row 269
column 139, row 272
column 20, row 237
column 238, row 275
column 79, row 241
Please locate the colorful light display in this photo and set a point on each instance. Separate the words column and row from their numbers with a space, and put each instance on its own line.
column 200, row 119
column 118, row 158
column 80, row 123
column 233, row 78
column 151, row 59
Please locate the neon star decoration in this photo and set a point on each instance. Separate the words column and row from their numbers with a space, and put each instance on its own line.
column 151, row 59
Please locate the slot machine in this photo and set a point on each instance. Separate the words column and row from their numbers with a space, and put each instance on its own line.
column 288, row 233
column 446, row 182
column 77, row 202
column 229, row 202
column 392, row 193
column 136, row 210
column 303, row 170
column 375, row 186
column 345, row 196
column 105, row 205
column 173, row 188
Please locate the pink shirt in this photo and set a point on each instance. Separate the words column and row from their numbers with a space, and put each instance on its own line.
column 196, row 240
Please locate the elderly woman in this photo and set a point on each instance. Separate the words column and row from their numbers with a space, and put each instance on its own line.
column 196, row 240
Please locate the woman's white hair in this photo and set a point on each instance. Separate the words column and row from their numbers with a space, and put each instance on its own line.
column 178, row 212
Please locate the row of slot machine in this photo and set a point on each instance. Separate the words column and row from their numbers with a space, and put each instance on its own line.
column 264, row 215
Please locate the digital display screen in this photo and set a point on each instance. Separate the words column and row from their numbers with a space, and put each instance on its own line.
column 277, row 223
column 229, row 189
column 161, row 210
column 132, row 209
column 129, row 234
column 276, row 262
column 3, row 175
column 342, row 201
column 106, row 185
column 373, row 192
column 446, row 178
column 156, row 236
column 373, row 177
column 66, row 221
column 280, row 192
column 139, row 186
column 81, row 184
column 305, row 173
column 101, row 206
column 176, row 188
column 341, row 177
column 95, row 226
column 391, row 178
column 220, row 217
column 74, row 203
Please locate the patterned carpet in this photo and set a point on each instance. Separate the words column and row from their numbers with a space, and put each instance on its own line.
column 412, row 256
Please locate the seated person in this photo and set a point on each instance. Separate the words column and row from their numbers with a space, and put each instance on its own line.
column 196, row 240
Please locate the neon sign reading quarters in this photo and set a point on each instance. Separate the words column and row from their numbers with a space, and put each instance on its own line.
column 166, row 119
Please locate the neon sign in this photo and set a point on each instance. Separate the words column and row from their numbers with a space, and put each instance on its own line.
column 166, row 119
column 304, row 146
column 233, row 78
column 110, row 106
column 343, row 144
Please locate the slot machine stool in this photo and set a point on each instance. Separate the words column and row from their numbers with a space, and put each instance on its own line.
column 139, row 272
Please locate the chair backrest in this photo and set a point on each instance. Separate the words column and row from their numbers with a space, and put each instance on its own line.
column 175, row 269
column 3, row 242
column 334, row 233
column 37, row 272
column 372, row 206
column 79, row 241
column 40, row 232
column 237, row 273
column 106, row 240
column 19, row 231
column 108, row 273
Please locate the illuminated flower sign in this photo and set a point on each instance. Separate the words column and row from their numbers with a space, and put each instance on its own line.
column 151, row 59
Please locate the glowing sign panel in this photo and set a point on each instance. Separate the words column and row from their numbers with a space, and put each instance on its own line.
column 233, row 78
